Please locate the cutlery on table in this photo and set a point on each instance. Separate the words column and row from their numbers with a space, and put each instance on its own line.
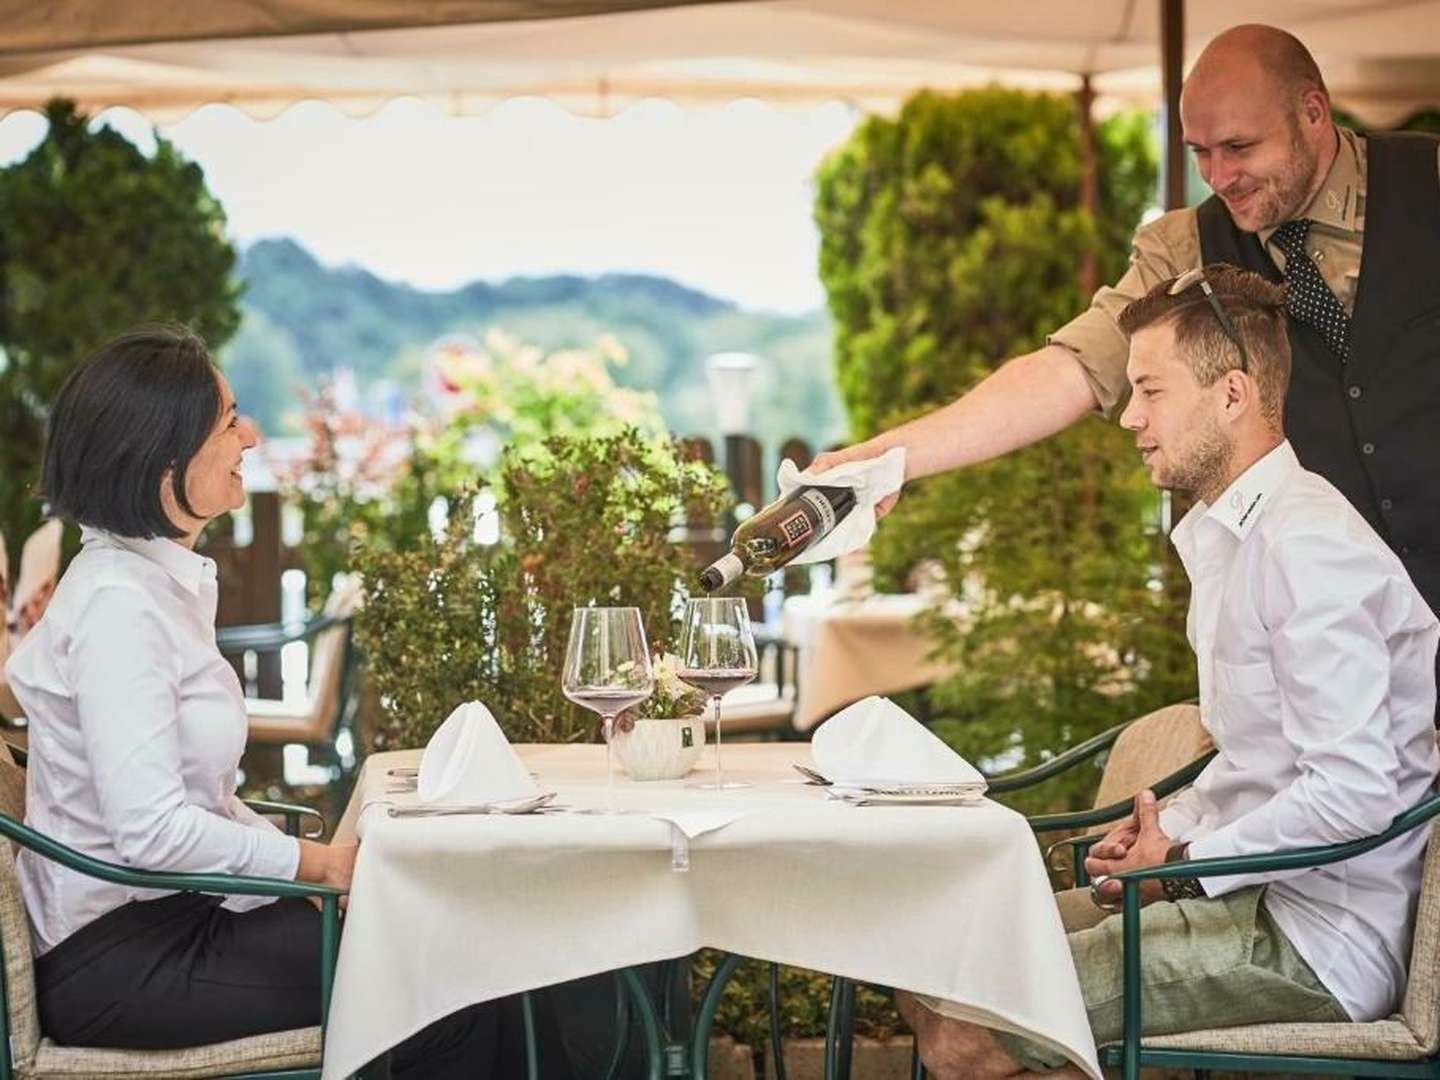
column 527, row 805
column 811, row 776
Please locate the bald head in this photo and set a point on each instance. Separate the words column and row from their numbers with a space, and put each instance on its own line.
column 1266, row 56
column 1256, row 115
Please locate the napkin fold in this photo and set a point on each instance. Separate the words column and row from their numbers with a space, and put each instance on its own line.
column 469, row 760
column 875, row 741
column 872, row 480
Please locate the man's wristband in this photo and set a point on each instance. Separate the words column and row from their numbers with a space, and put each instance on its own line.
column 1180, row 888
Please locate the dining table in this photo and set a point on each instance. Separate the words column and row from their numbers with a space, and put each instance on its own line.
column 850, row 645
column 447, row 910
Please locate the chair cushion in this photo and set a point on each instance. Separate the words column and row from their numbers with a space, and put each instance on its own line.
column 753, row 708
column 1389, row 1040
column 295, row 1049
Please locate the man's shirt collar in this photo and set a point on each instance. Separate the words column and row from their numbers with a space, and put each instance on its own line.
column 188, row 569
column 1240, row 505
column 1340, row 201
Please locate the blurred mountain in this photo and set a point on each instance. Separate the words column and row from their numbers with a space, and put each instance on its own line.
column 304, row 322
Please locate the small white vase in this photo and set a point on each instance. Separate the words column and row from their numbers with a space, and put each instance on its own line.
column 664, row 749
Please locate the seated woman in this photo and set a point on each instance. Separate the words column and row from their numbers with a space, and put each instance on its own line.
column 136, row 730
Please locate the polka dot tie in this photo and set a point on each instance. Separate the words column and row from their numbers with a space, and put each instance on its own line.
column 1311, row 300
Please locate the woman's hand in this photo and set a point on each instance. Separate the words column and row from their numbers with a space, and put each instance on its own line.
column 327, row 864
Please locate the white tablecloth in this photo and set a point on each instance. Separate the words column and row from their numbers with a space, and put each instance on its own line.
column 852, row 648
column 947, row 901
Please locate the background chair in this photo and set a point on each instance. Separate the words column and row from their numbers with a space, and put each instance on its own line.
column 27, row 1055
column 330, row 699
column 766, row 707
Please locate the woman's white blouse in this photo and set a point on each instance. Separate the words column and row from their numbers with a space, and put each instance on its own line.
column 136, row 729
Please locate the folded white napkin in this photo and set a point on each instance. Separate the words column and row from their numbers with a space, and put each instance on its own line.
column 469, row 760
column 876, row 742
column 872, row 481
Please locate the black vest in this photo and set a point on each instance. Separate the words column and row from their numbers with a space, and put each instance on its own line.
column 1371, row 426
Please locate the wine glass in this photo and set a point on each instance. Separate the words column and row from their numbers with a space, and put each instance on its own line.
column 717, row 654
column 607, row 670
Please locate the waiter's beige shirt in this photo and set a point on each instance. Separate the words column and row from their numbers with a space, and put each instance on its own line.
column 1170, row 245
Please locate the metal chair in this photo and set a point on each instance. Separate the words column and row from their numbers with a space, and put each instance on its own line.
column 27, row 1055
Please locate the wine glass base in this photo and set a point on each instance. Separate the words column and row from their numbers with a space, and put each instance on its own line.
column 711, row 785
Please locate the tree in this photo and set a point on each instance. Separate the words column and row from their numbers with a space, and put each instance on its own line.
column 97, row 238
column 951, row 238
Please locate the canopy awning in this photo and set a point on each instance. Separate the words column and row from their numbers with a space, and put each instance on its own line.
column 1382, row 59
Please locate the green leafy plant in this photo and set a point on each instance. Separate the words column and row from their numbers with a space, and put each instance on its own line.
column 951, row 238
column 583, row 520
column 97, row 238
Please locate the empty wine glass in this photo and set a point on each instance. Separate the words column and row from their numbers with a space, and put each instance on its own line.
column 717, row 654
column 607, row 670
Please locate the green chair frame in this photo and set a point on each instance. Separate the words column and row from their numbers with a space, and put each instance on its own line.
column 221, row 884
column 1131, row 1056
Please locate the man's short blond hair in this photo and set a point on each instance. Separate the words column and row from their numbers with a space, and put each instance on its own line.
column 1256, row 310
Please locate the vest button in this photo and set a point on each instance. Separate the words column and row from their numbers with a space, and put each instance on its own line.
column 1387, row 504
column 1354, row 391
column 1368, row 448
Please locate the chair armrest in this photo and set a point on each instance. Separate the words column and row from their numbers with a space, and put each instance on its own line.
column 1085, row 819
column 221, row 884
column 270, row 637
column 292, row 815
column 1058, row 764
column 1295, row 859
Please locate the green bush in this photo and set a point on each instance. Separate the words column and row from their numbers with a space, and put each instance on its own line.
column 951, row 238
column 97, row 237
column 584, row 520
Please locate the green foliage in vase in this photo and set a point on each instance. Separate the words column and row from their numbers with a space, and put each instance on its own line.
column 583, row 520
column 97, row 238
column 952, row 237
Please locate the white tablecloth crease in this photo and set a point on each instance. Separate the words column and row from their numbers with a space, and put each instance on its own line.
column 952, row 902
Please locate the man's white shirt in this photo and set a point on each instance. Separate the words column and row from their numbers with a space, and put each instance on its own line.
column 136, row 728
column 1316, row 663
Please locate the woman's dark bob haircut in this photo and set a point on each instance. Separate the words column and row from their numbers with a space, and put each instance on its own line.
column 141, row 405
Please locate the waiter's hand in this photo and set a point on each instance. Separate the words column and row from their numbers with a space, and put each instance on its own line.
column 1136, row 843
column 859, row 452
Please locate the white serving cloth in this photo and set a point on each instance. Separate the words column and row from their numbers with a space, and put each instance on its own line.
column 875, row 740
column 872, row 480
column 951, row 902
column 468, row 760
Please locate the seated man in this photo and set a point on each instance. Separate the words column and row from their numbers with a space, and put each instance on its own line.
column 1316, row 665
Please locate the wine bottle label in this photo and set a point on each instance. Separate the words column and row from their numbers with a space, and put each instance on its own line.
column 729, row 567
column 824, row 512
column 796, row 529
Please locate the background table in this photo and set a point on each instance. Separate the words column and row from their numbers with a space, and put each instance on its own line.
column 948, row 901
column 849, row 649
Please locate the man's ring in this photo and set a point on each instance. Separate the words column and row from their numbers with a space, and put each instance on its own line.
column 1098, row 900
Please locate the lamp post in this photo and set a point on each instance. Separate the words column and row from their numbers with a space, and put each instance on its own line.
column 731, row 379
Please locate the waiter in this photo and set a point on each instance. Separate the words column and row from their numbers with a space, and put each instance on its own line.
column 1300, row 201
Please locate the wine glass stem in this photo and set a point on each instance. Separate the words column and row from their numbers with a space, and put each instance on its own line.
column 719, row 767
column 609, row 724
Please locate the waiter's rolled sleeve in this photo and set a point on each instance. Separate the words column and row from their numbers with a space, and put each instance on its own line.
column 1162, row 249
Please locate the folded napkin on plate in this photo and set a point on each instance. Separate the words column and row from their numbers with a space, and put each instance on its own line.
column 875, row 743
column 872, row 481
column 469, row 760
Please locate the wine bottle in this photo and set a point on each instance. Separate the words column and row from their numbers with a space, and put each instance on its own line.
column 778, row 533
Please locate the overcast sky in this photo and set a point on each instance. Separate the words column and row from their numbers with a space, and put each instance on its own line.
column 717, row 198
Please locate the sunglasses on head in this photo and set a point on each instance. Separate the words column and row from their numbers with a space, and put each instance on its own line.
column 1192, row 278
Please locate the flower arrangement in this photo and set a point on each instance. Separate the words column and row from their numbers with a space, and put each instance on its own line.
column 670, row 698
